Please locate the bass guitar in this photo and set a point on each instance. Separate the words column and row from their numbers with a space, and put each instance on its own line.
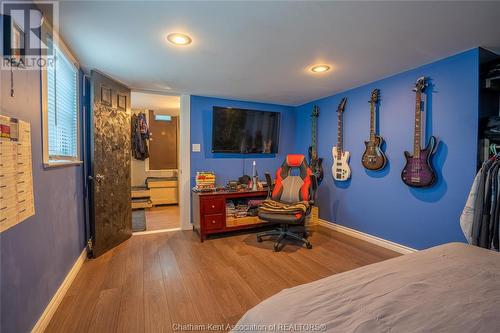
column 315, row 162
column 373, row 157
column 340, row 169
column 418, row 171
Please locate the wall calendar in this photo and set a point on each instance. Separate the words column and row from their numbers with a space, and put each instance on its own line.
column 16, row 179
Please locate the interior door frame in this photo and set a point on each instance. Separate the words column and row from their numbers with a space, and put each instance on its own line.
column 184, row 175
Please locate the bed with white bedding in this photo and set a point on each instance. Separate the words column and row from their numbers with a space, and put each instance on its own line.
column 449, row 288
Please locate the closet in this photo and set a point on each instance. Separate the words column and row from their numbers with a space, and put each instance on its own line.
column 480, row 219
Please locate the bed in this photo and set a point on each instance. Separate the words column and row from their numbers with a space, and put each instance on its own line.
column 449, row 288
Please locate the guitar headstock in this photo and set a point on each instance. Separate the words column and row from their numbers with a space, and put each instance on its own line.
column 375, row 96
column 420, row 85
column 341, row 106
column 315, row 112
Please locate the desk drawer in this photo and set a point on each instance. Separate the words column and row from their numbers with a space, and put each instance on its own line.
column 213, row 221
column 213, row 206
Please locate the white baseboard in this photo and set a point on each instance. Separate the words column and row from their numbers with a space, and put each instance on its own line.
column 51, row 308
column 367, row 237
column 140, row 233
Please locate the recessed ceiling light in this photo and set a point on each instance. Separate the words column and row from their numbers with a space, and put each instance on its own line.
column 320, row 68
column 179, row 39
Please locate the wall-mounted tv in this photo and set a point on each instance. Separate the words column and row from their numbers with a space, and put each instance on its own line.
column 245, row 131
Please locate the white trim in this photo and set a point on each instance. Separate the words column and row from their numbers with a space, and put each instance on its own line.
column 184, row 173
column 51, row 308
column 140, row 233
column 57, row 41
column 367, row 237
column 60, row 163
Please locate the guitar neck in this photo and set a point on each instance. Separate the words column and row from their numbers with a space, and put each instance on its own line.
column 339, row 135
column 372, row 122
column 314, row 132
column 418, row 125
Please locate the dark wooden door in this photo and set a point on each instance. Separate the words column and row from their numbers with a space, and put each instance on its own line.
column 163, row 143
column 111, row 216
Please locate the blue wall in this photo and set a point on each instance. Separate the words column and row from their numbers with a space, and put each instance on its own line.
column 231, row 166
column 378, row 203
column 37, row 254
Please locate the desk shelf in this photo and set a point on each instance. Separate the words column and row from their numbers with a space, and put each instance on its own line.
column 209, row 212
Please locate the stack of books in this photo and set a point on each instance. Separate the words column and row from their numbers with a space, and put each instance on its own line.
column 241, row 211
column 205, row 181
column 230, row 209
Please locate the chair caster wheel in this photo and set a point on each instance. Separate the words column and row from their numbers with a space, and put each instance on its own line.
column 259, row 239
column 309, row 246
column 276, row 248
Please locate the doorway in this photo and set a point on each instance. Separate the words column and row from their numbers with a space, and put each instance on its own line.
column 155, row 159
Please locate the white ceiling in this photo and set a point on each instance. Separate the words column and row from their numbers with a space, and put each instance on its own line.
column 261, row 50
column 162, row 104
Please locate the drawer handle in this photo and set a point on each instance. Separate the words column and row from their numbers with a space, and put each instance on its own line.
column 213, row 221
column 4, row 219
column 21, row 201
column 213, row 206
column 22, row 210
column 3, row 208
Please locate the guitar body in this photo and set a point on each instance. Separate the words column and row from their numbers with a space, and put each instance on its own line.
column 373, row 157
column 316, row 165
column 418, row 172
column 340, row 169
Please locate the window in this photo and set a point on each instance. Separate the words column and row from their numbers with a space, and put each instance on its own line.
column 61, row 108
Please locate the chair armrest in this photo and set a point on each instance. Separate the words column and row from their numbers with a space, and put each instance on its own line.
column 269, row 184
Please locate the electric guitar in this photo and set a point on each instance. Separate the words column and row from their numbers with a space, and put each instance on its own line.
column 315, row 163
column 418, row 171
column 373, row 157
column 340, row 168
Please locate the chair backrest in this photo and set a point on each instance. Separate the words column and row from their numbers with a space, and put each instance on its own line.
column 289, row 188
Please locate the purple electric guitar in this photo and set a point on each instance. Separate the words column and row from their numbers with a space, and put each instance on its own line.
column 418, row 171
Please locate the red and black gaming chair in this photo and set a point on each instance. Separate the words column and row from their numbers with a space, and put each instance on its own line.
column 290, row 189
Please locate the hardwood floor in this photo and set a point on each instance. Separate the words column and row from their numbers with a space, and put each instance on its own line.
column 162, row 217
column 152, row 282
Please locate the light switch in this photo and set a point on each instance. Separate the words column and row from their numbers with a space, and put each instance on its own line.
column 196, row 147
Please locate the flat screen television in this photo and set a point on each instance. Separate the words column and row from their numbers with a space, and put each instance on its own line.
column 245, row 131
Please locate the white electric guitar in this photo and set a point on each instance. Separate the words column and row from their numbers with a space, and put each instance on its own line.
column 340, row 168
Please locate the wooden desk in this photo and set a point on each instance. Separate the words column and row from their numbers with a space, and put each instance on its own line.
column 209, row 212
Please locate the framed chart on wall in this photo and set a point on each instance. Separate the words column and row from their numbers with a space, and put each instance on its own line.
column 16, row 179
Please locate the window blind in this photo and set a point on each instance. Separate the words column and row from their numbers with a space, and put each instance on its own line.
column 62, row 108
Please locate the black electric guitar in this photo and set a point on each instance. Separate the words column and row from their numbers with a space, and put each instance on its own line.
column 373, row 157
column 315, row 162
column 418, row 171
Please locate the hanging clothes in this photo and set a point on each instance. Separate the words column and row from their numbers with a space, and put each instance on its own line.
column 140, row 136
column 481, row 215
